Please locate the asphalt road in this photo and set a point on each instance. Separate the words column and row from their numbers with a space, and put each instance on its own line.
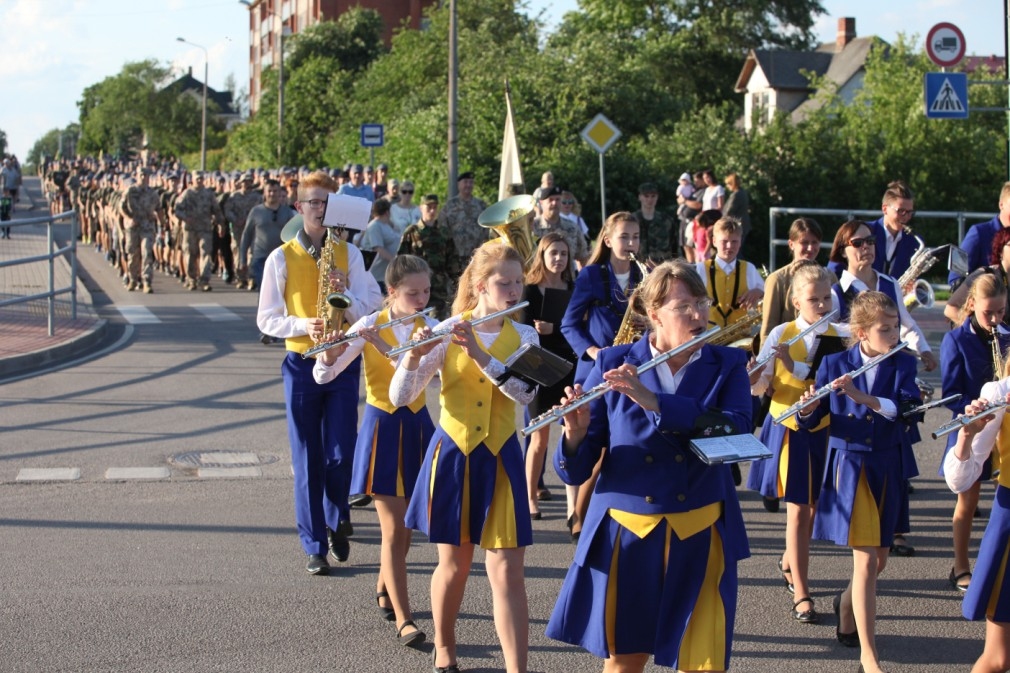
column 191, row 572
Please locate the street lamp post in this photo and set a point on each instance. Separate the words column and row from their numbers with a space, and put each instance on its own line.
column 203, row 123
column 280, row 76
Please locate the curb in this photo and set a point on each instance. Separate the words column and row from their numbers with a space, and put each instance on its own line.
column 69, row 350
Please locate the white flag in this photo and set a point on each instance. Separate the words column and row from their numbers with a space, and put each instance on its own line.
column 511, row 171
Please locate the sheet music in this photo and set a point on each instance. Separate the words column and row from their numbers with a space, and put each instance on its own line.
column 729, row 449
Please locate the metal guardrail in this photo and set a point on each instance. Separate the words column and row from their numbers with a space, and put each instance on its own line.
column 69, row 251
column 869, row 215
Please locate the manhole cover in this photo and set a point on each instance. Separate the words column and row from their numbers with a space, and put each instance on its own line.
column 220, row 459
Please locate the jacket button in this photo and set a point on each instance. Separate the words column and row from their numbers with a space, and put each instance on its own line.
column 648, row 459
column 681, row 497
column 869, row 417
column 851, row 416
column 679, row 458
column 479, row 403
column 481, row 380
column 563, row 464
column 649, row 499
column 478, row 428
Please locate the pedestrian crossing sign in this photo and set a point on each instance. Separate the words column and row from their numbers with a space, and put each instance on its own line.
column 946, row 95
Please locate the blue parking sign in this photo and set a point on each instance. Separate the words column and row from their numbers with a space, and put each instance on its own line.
column 946, row 95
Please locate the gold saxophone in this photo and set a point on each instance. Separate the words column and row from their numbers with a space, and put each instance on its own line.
column 629, row 331
column 741, row 333
column 330, row 305
column 997, row 355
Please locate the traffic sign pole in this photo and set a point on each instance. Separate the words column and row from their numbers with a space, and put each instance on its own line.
column 603, row 195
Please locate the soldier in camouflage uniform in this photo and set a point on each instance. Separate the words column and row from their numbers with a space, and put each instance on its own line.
column 236, row 211
column 199, row 211
column 656, row 227
column 139, row 206
column 550, row 220
column 459, row 217
column 432, row 242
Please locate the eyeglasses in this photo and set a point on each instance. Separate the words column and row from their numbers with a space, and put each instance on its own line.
column 901, row 212
column 406, row 191
column 701, row 307
column 568, row 203
column 314, row 203
column 860, row 242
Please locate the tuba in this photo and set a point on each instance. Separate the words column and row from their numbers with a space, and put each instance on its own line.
column 510, row 219
column 330, row 305
column 629, row 331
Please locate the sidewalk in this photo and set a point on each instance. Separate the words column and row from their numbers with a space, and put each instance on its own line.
column 26, row 344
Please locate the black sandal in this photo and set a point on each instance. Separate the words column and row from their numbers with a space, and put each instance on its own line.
column 955, row 580
column 415, row 637
column 808, row 616
column 900, row 547
column 846, row 639
column 788, row 580
column 387, row 613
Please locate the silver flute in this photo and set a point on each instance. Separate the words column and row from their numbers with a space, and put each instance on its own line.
column 761, row 362
column 326, row 345
column 438, row 335
column 963, row 420
column 599, row 389
column 827, row 388
column 930, row 405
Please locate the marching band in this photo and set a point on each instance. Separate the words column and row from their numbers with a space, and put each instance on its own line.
column 831, row 390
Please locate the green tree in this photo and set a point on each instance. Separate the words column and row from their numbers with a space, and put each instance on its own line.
column 120, row 112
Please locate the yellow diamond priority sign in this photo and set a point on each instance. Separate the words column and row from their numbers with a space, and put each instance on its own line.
column 600, row 133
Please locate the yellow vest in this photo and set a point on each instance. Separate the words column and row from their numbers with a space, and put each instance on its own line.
column 788, row 389
column 473, row 409
column 1002, row 446
column 301, row 290
column 722, row 312
column 379, row 369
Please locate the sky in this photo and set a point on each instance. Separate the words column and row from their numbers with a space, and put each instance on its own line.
column 54, row 49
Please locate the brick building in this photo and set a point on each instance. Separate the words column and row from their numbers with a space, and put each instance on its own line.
column 269, row 19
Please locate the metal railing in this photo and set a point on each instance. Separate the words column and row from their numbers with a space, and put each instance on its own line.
column 868, row 215
column 69, row 251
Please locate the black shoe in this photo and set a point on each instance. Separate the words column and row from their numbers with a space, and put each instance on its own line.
column 955, row 580
column 387, row 613
column 737, row 477
column 415, row 637
column 359, row 500
column 846, row 639
column 979, row 513
column 900, row 547
column 808, row 616
column 317, row 565
column 339, row 546
column 451, row 668
column 345, row 528
column 771, row 504
column 787, row 577
column 536, row 516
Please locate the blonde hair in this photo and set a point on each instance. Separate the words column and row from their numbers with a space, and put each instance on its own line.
column 657, row 285
column 601, row 251
column 399, row 268
column 727, row 225
column 483, row 264
column 867, row 308
column 320, row 179
column 986, row 286
column 808, row 272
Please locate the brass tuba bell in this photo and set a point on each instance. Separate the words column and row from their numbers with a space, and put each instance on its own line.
column 510, row 219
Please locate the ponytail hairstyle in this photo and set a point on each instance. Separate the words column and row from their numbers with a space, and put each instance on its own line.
column 986, row 286
column 867, row 308
column 399, row 268
column 601, row 251
column 483, row 264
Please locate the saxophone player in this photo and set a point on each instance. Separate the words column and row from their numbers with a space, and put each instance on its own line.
column 322, row 449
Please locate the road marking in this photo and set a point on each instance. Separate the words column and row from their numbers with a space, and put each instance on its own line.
column 138, row 315
column 215, row 312
column 229, row 458
column 228, row 472
column 49, row 474
column 138, row 473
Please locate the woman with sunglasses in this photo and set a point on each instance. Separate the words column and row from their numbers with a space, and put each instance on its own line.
column 855, row 247
column 404, row 212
